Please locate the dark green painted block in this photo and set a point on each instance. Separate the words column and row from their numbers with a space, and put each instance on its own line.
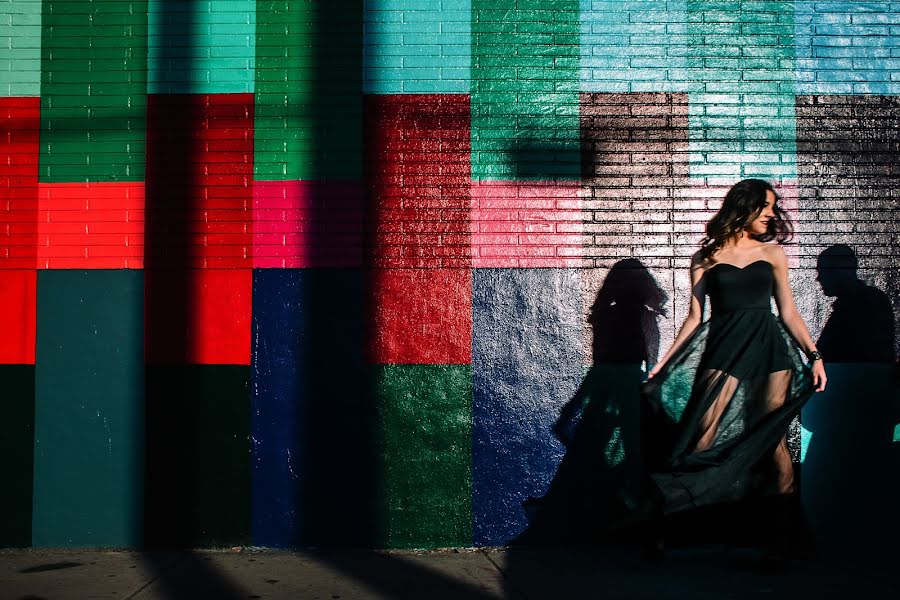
column 16, row 454
column 423, row 434
column 525, row 90
column 89, row 408
column 308, row 91
column 93, row 90
column 198, row 456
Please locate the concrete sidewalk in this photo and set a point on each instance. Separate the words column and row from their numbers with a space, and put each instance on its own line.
column 695, row 573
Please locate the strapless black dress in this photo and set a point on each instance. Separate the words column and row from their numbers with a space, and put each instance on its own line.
column 715, row 415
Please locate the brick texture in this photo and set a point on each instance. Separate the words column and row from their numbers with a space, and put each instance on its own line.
column 199, row 190
column 635, row 171
column 19, row 135
column 417, row 167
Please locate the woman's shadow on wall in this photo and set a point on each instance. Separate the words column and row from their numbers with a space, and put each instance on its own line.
column 600, row 426
column 851, row 468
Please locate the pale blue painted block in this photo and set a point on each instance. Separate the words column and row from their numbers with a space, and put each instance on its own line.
column 417, row 46
column 193, row 48
column 20, row 48
column 865, row 31
column 627, row 46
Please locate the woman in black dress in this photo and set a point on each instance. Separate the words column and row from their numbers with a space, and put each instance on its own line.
column 719, row 403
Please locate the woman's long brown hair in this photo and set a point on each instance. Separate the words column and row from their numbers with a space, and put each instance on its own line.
column 741, row 205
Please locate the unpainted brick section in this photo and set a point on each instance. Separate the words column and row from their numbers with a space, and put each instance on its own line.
column 848, row 153
column 635, row 177
column 417, row 169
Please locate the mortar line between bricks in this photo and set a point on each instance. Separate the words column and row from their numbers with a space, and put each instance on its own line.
column 506, row 578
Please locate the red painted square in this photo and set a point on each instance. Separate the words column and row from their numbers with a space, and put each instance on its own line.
column 198, row 316
column 418, row 166
column 17, row 316
column 96, row 225
column 199, row 180
column 421, row 316
column 19, row 155
column 299, row 224
column 519, row 224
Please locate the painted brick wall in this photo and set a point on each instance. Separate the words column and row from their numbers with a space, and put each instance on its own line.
column 334, row 270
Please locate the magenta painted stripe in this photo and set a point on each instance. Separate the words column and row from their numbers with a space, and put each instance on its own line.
column 519, row 224
column 299, row 224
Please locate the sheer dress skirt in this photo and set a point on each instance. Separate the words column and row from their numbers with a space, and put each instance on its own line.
column 716, row 416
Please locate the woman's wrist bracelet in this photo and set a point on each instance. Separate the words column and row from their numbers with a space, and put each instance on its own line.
column 813, row 355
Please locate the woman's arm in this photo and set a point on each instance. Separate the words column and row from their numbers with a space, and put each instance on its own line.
column 695, row 314
column 792, row 320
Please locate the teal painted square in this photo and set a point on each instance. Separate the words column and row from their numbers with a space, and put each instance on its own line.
column 201, row 47
column 414, row 47
column 89, row 409
column 423, row 437
column 742, row 120
column 632, row 46
column 20, row 48
column 735, row 136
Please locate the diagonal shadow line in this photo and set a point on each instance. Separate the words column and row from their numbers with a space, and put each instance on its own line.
column 400, row 578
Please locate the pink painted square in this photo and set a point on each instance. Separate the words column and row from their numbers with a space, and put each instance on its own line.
column 526, row 224
column 298, row 224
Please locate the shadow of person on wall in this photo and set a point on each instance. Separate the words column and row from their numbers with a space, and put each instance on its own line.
column 600, row 425
column 851, row 468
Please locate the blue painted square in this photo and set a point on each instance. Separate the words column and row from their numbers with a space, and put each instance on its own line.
column 415, row 47
column 851, row 47
column 527, row 362
column 309, row 441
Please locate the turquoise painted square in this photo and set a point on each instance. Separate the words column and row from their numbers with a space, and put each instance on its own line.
column 201, row 47
column 741, row 116
column 735, row 136
column 417, row 46
column 20, row 48
column 633, row 46
column 847, row 47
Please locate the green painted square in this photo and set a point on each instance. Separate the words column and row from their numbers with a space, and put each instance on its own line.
column 423, row 433
column 198, row 443
column 524, row 97
column 308, row 90
column 16, row 454
column 93, row 90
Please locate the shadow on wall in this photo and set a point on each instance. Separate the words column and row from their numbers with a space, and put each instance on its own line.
column 600, row 425
column 851, row 468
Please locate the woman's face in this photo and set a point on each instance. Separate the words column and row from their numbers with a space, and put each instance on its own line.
column 759, row 224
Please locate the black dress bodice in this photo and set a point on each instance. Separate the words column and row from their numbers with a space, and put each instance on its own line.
column 732, row 288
